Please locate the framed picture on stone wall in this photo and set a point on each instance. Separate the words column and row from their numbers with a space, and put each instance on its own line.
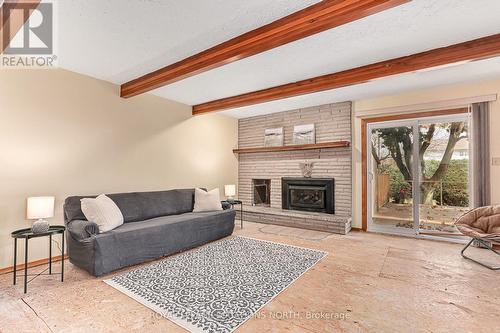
column 273, row 137
column 304, row 134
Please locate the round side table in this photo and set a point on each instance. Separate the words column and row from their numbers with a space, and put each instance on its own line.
column 27, row 234
column 237, row 202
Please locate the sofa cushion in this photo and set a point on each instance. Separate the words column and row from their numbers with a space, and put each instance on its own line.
column 206, row 201
column 103, row 212
column 138, row 206
column 137, row 242
column 162, row 221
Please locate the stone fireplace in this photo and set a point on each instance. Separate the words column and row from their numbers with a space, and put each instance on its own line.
column 263, row 184
column 308, row 194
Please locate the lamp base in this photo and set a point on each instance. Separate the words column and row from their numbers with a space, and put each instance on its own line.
column 40, row 226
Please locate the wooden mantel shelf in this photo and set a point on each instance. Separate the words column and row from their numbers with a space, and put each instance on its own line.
column 322, row 145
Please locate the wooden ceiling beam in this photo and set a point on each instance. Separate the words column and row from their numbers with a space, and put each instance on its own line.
column 322, row 16
column 478, row 49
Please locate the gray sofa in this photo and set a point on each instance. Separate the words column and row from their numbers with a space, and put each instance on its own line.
column 155, row 224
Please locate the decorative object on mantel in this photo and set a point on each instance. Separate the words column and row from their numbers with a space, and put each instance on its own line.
column 273, row 137
column 40, row 208
column 322, row 145
column 306, row 168
column 304, row 134
column 217, row 275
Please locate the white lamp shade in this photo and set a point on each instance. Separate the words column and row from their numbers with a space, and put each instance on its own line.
column 230, row 190
column 39, row 207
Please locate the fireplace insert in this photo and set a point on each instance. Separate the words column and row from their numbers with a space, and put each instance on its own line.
column 308, row 194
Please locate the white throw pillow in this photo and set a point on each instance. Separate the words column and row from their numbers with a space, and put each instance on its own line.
column 103, row 211
column 206, row 201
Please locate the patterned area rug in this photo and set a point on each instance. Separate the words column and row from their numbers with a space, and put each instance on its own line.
column 217, row 287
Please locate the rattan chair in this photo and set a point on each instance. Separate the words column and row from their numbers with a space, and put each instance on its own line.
column 483, row 226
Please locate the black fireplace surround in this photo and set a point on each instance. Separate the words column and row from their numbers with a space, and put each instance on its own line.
column 308, row 194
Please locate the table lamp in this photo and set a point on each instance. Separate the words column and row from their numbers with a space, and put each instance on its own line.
column 40, row 208
column 230, row 192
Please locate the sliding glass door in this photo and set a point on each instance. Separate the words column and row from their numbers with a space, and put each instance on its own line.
column 391, row 173
column 444, row 174
column 418, row 175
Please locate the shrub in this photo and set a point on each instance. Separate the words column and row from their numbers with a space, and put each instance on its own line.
column 454, row 182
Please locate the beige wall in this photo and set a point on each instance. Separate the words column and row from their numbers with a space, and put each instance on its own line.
column 63, row 134
column 419, row 97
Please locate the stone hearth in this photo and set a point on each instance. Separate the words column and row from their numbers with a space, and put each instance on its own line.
column 297, row 219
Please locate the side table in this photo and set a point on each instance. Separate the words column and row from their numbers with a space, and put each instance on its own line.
column 237, row 202
column 27, row 234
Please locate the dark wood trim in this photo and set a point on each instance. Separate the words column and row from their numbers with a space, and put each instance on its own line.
column 415, row 115
column 6, row 35
column 31, row 264
column 364, row 163
column 322, row 145
column 319, row 17
column 356, row 229
column 477, row 49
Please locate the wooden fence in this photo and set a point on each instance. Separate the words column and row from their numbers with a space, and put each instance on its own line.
column 382, row 186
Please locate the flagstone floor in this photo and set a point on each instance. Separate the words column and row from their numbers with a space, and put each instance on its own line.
column 368, row 283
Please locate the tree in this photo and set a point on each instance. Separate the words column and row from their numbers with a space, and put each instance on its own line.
column 397, row 143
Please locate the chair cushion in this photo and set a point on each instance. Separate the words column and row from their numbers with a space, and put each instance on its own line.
column 481, row 222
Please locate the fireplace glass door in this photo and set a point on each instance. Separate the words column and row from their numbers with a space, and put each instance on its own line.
column 308, row 194
column 307, row 197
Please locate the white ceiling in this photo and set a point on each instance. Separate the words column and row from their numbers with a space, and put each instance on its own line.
column 474, row 71
column 117, row 41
